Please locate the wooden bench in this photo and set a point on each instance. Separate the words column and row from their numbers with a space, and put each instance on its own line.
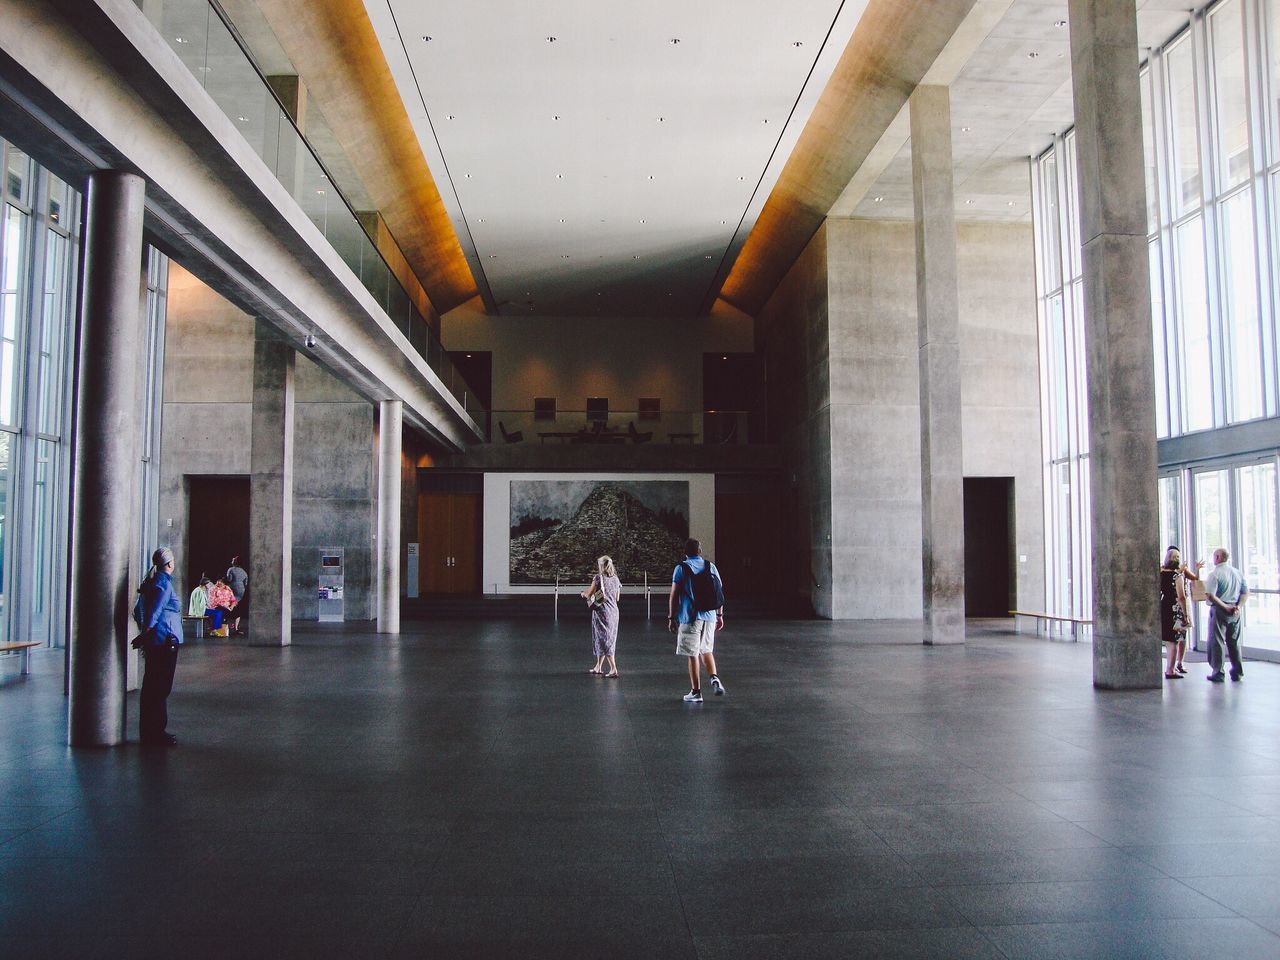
column 1076, row 622
column 25, row 646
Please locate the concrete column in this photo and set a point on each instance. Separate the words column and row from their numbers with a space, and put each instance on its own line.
column 390, row 430
column 1119, row 360
column 271, row 491
column 105, row 501
column 938, row 311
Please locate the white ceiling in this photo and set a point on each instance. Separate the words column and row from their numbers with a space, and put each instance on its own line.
column 661, row 157
column 1006, row 106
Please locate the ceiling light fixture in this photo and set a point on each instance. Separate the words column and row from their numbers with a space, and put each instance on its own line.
column 181, row 40
column 481, row 220
column 965, row 129
column 426, row 39
column 877, row 199
column 797, row 43
column 675, row 40
column 1059, row 24
column 724, row 221
column 662, row 119
column 450, row 117
column 243, row 119
column 642, row 220
column 742, row 178
column 555, row 116
column 651, row 176
column 766, row 120
column 551, row 39
column 968, row 203
column 562, row 219
column 559, row 176
column 707, row 257
column 1032, row 55
column 467, row 175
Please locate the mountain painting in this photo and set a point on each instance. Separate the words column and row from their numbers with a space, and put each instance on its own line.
column 560, row 527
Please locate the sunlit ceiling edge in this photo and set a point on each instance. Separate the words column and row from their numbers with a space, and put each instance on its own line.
column 390, row 39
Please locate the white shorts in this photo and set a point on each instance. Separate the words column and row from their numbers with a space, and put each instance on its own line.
column 694, row 639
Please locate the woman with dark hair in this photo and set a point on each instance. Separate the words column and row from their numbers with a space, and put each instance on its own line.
column 161, row 624
column 1174, row 621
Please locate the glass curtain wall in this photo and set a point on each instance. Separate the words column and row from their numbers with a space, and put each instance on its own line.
column 39, row 253
column 1211, row 133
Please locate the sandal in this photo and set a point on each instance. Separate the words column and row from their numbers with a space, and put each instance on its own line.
column 611, row 676
column 1173, row 676
column 598, row 673
column 1180, row 668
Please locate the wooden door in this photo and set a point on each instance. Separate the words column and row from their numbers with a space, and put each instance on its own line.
column 433, row 535
column 465, row 540
column 747, row 543
column 449, row 532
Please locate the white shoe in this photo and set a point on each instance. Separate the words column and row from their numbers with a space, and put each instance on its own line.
column 693, row 696
column 717, row 686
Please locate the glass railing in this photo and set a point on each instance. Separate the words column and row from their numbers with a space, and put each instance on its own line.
column 707, row 427
column 195, row 30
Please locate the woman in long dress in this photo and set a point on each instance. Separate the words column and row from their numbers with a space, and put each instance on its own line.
column 602, row 597
column 1174, row 608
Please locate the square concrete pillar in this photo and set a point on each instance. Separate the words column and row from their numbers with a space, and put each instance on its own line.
column 1119, row 359
column 271, row 491
column 938, row 311
column 387, row 574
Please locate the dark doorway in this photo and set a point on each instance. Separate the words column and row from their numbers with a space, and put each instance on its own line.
column 476, row 367
column 989, row 586
column 217, row 526
column 733, row 397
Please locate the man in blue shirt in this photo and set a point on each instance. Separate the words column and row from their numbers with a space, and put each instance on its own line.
column 695, row 629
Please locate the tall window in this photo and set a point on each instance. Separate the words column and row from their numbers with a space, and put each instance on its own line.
column 39, row 239
column 1211, row 136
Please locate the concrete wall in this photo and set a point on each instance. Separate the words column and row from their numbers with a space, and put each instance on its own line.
column 792, row 333
column 208, row 380
column 575, row 358
column 840, row 334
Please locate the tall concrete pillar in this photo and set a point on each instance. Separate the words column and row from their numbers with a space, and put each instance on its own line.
column 105, row 502
column 271, row 491
column 938, row 309
column 1119, row 359
column 390, row 429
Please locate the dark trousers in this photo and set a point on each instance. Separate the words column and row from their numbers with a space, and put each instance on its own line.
column 1224, row 632
column 157, row 681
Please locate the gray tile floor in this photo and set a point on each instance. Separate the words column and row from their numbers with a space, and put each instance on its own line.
column 467, row 791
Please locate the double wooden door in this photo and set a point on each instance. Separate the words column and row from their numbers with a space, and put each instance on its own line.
column 748, row 543
column 449, row 526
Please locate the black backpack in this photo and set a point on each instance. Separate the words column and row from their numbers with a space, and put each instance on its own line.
column 708, row 594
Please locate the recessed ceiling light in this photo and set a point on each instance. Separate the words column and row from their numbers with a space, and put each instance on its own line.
column 635, row 256
column 675, row 40
column 877, row 199
column 766, row 120
column 662, row 119
column 559, row 176
column 321, row 192
column 707, row 257
column 1011, row 203
column 451, row 117
column 968, row 203
column 562, row 219
column 493, row 256
column 965, row 129
column 467, row 175
column 181, row 40
column 642, row 220
column 724, row 221
column 651, row 176
column 742, row 178
column 724, row 358
column 426, row 39
column 468, row 356
column 555, row 116
column 1032, row 55
column 551, row 39
column 564, row 256
column 243, row 119
column 797, row 43
column 481, row 220
column 1059, row 23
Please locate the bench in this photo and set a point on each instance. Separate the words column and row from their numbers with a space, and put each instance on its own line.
column 200, row 623
column 25, row 646
column 1076, row 622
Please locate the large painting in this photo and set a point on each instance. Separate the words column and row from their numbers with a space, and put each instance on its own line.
column 560, row 527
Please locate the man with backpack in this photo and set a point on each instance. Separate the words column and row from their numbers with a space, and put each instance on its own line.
column 695, row 611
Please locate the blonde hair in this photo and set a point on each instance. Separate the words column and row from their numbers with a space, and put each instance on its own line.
column 1168, row 558
column 606, row 567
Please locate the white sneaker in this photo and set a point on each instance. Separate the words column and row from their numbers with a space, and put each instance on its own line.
column 717, row 686
column 693, row 696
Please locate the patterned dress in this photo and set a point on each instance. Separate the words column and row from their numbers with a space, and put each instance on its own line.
column 604, row 616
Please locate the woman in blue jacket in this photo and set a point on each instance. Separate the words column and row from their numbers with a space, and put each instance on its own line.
column 160, row 638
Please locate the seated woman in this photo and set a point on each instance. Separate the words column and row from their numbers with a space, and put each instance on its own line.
column 221, row 602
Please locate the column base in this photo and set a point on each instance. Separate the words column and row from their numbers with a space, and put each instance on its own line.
column 1126, row 663
column 944, row 628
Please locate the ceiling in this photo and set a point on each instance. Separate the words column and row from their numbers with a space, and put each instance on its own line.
column 1009, row 98
column 607, row 159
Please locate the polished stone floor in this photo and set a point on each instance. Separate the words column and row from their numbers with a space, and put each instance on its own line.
column 467, row 791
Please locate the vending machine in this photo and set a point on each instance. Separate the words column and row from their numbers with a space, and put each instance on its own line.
column 332, row 606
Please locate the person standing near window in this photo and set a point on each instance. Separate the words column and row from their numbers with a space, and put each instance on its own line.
column 161, row 624
column 1226, row 591
column 1174, row 621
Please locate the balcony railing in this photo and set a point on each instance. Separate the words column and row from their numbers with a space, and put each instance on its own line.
column 710, row 427
column 203, row 41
